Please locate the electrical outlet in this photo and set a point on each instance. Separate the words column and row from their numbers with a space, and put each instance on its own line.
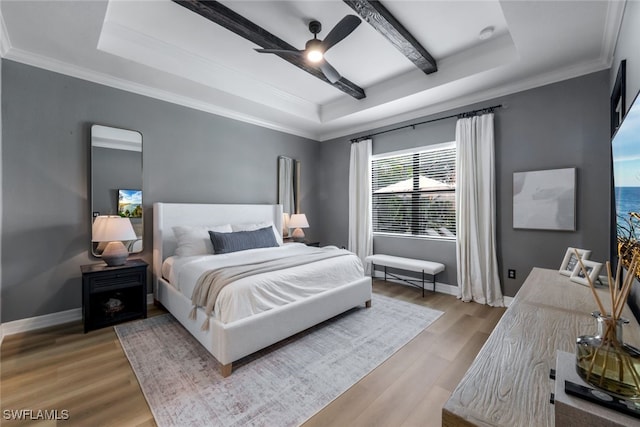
column 511, row 273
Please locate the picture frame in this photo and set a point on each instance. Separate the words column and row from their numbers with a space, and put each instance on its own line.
column 618, row 97
column 570, row 261
column 593, row 269
column 545, row 199
column 130, row 203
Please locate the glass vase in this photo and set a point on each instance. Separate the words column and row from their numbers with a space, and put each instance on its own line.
column 605, row 362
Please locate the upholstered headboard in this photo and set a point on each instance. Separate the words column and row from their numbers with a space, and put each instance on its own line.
column 168, row 215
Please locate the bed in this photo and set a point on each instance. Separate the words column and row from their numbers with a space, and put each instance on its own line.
column 229, row 340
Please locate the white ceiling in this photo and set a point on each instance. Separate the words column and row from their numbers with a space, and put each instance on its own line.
column 160, row 49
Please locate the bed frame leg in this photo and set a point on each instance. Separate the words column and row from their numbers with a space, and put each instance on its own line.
column 225, row 370
column 367, row 304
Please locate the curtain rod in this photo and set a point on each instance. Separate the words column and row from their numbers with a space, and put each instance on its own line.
column 459, row 115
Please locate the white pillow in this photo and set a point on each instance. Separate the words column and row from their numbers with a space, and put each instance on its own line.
column 194, row 239
column 257, row 226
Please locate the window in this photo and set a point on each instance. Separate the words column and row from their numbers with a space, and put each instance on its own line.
column 414, row 192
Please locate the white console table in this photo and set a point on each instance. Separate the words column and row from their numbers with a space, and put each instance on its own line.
column 508, row 384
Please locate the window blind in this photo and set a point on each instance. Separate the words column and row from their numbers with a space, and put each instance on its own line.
column 413, row 193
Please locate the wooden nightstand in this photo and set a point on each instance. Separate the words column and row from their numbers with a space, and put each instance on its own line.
column 113, row 295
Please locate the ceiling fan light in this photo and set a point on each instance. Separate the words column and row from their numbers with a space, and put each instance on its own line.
column 314, row 56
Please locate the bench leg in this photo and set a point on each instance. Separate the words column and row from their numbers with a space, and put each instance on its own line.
column 385, row 273
column 367, row 304
column 422, row 283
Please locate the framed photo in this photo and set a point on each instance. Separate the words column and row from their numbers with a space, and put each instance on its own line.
column 545, row 200
column 592, row 268
column 570, row 260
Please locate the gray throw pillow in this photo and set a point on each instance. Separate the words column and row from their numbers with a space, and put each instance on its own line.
column 224, row 243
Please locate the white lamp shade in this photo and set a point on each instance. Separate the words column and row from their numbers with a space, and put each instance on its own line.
column 109, row 228
column 298, row 221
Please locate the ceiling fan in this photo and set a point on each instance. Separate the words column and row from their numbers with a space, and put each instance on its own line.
column 315, row 49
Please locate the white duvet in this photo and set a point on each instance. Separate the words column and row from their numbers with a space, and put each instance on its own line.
column 262, row 292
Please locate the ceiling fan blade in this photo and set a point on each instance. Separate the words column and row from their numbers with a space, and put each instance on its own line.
column 285, row 51
column 329, row 72
column 340, row 31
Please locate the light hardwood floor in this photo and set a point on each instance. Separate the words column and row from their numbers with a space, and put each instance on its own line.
column 89, row 375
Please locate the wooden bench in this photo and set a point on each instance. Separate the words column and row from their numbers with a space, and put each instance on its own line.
column 408, row 264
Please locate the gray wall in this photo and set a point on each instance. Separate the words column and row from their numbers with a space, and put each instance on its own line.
column 560, row 125
column 189, row 156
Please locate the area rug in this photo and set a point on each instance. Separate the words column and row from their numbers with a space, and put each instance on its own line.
column 283, row 385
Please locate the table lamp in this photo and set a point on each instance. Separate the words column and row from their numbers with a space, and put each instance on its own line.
column 113, row 229
column 298, row 221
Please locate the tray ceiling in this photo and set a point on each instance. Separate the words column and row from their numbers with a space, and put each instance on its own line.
column 159, row 48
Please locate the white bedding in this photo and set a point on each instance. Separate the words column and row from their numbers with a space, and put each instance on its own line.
column 262, row 292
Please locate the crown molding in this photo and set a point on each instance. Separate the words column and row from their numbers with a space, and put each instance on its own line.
column 613, row 22
column 50, row 64
column 5, row 42
column 566, row 73
column 477, row 97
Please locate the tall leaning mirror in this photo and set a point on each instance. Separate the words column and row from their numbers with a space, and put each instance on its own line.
column 288, row 189
column 116, row 186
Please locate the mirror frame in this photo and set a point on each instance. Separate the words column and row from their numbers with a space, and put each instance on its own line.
column 119, row 139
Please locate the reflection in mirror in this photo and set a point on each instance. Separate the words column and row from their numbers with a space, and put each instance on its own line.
column 288, row 185
column 116, row 180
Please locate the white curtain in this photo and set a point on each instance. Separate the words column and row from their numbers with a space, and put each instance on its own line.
column 478, row 278
column 360, row 228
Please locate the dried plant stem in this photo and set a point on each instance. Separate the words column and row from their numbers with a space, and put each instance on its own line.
column 604, row 364
column 593, row 289
column 626, row 288
column 593, row 362
column 609, row 340
column 627, row 361
column 612, row 291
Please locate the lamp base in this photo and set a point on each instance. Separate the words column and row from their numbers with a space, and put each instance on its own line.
column 298, row 235
column 115, row 254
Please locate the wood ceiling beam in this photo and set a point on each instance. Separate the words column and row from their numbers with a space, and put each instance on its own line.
column 386, row 24
column 222, row 15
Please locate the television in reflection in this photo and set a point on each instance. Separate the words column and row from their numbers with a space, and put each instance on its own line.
column 130, row 203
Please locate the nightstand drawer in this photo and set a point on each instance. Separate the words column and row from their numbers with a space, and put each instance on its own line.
column 112, row 281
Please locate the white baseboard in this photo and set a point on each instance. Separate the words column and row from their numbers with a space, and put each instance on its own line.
column 39, row 322
column 440, row 287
